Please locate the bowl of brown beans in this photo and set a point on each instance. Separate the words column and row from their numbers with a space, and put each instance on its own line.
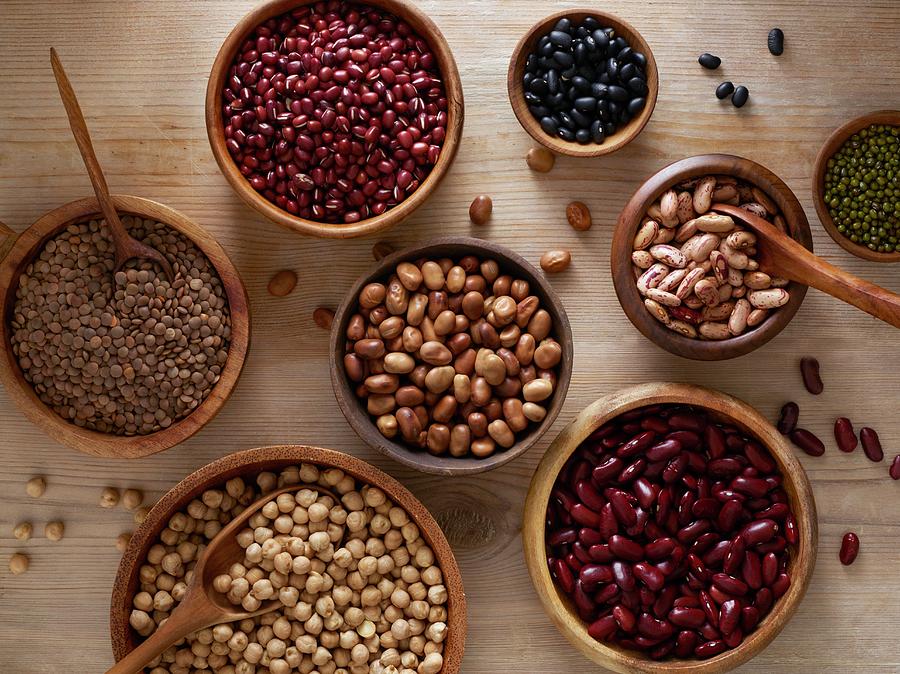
column 686, row 276
column 334, row 119
column 453, row 357
column 669, row 528
column 123, row 364
column 382, row 592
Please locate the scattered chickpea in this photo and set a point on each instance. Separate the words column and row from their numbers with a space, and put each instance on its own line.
column 54, row 530
column 18, row 564
column 141, row 514
column 23, row 531
column 123, row 540
column 109, row 497
column 36, row 486
column 132, row 498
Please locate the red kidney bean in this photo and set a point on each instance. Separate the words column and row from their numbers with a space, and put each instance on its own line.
column 729, row 584
column 665, row 450
column 562, row 537
column 726, row 467
column 665, row 600
column 589, row 496
column 636, row 445
column 776, row 511
column 661, row 651
column 606, row 594
column 812, row 380
column 760, row 531
column 894, row 470
column 769, row 568
column 654, row 628
column 790, row 414
column 844, row 435
column 758, row 457
column 710, row 648
column 734, row 557
column 607, row 471
column 729, row 616
column 751, row 570
column 729, row 514
column 625, row 548
column 706, row 508
column 644, row 491
column 649, row 575
column 764, row 600
column 609, row 525
column 734, row 639
column 622, row 508
column 709, row 607
column 585, row 516
column 592, row 575
column 564, row 575
column 623, row 575
column 790, row 530
column 590, row 536
column 752, row 486
column 603, row 629
column 600, row 553
column 687, row 421
column 849, row 548
column 625, row 618
column 660, row 548
column 632, row 471
column 749, row 618
column 685, row 643
column 808, row 442
column 687, row 617
column 781, row 585
column 583, row 601
column 871, row 444
column 716, row 554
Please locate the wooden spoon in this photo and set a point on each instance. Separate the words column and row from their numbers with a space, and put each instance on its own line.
column 202, row 606
column 127, row 247
column 780, row 255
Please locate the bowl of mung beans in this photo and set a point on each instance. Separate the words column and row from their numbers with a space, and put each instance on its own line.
column 385, row 595
column 856, row 186
column 124, row 364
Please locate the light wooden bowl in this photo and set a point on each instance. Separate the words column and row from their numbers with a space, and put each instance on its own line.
column 721, row 406
column 23, row 251
column 215, row 127
column 249, row 463
column 632, row 216
column 354, row 409
column 624, row 134
column 837, row 138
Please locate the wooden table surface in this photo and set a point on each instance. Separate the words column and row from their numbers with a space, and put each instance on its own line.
column 140, row 70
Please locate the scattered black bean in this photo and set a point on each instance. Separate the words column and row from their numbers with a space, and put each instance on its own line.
column 583, row 81
column 724, row 90
column 776, row 41
column 709, row 61
column 741, row 94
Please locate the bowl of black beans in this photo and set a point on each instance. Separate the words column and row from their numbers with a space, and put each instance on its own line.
column 582, row 83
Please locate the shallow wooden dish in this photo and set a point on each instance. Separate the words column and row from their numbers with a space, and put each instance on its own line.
column 837, row 138
column 215, row 127
column 725, row 407
column 251, row 462
column 631, row 218
column 354, row 410
column 624, row 134
column 23, row 251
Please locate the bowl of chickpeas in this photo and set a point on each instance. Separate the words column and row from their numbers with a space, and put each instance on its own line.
column 384, row 594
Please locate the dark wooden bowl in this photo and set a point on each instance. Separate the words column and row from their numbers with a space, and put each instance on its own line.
column 837, row 138
column 215, row 127
column 721, row 406
column 624, row 134
column 354, row 409
column 254, row 461
column 23, row 251
column 630, row 219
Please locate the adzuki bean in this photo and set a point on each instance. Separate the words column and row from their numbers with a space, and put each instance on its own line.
column 671, row 533
column 849, row 548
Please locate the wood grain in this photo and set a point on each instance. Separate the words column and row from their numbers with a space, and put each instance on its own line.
column 143, row 68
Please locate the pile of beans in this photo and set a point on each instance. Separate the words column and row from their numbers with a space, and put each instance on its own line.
column 362, row 593
column 583, row 82
column 696, row 269
column 452, row 356
column 334, row 111
column 862, row 188
column 128, row 353
column 672, row 533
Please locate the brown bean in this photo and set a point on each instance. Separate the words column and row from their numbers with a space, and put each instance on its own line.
column 501, row 433
column 372, row 295
column 409, row 396
column 460, row 440
column 369, row 348
column 540, row 324
column 356, row 328
column 397, row 298
column 540, row 159
column 579, row 216
column 526, row 309
column 812, row 380
column 438, row 439
column 483, row 447
column 478, row 422
column 435, row 353
column 382, row 383
column 409, row 424
column 537, row 390
column 412, row 339
column 444, row 410
column 465, row 362
column 283, row 283
column 355, row 367
column 555, row 261
column 871, row 444
column 379, row 404
column 415, row 310
column 473, row 305
column 387, row 425
column 514, row 415
column 410, row 276
column 439, row 379
column 480, row 209
column 844, row 435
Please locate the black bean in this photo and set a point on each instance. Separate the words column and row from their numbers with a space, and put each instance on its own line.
column 601, row 39
column 533, row 99
column 612, row 67
column 639, row 60
column 590, row 23
column 586, row 103
column 635, row 105
column 741, row 94
column 569, row 72
column 709, row 61
column 597, row 131
column 583, row 136
column 565, row 119
column 565, row 59
column 627, row 71
column 556, row 100
column 552, row 79
column 564, row 24
column 539, row 86
column 560, row 38
column 609, row 128
column 618, row 94
column 566, row 134
column 599, row 90
column 589, row 42
column 724, row 90
column 637, row 85
column 581, row 83
column 619, row 44
column 549, row 125
column 539, row 111
column 581, row 53
column 546, row 49
column 625, row 53
column 776, row 41
column 580, row 119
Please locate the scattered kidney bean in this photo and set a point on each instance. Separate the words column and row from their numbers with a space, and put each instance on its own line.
column 844, row 435
column 849, row 548
column 687, row 557
column 480, row 209
column 812, row 380
column 790, row 414
column 871, row 444
column 808, row 442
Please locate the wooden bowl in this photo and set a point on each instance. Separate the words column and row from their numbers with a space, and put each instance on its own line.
column 24, row 250
column 837, row 138
column 723, row 407
column 631, row 218
column 215, row 127
column 249, row 463
column 624, row 134
column 355, row 410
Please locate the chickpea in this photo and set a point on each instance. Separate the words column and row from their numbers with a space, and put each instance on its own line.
column 22, row 531
column 36, row 486
column 18, row 564
column 109, row 497
column 123, row 540
column 54, row 530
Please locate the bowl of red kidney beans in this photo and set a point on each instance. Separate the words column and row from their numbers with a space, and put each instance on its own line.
column 334, row 119
column 670, row 528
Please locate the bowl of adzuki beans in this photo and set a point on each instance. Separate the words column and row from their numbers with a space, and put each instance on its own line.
column 334, row 119
column 670, row 528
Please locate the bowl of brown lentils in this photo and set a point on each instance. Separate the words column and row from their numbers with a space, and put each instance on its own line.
column 123, row 364
column 453, row 357
column 383, row 595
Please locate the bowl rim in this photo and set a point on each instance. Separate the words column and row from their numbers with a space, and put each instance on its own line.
column 451, row 246
column 215, row 126
column 635, row 210
column 832, row 144
column 22, row 252
column 275, row 457
column 796, row 483
column 514, row 89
